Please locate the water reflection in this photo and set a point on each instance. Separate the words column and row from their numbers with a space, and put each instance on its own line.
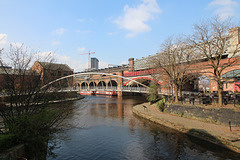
column 105, row 128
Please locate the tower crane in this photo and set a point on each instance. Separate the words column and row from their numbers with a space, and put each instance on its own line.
column 88, row 57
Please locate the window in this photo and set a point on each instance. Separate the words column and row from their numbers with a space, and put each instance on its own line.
column 65, row 73
column 232, row 74
column 53, row 73
column 59, row 73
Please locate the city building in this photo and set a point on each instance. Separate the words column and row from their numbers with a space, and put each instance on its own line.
column 94, row 63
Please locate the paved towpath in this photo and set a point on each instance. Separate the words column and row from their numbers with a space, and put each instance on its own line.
column 219, row 134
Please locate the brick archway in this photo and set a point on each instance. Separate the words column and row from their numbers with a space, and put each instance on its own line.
column 147, row 78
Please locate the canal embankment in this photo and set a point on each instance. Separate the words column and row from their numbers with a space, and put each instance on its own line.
column 208, row 124
column 18, row 151
column 61, row 97
column 49, row 97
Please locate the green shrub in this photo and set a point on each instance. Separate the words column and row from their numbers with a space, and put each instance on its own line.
column 153, row 93
column 7, row 141
column 34, row 131
column 236, row 91
column 152, row 99
column 161, row 105
column 181, row 115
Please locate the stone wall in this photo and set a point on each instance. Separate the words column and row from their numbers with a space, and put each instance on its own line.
column 213, row 115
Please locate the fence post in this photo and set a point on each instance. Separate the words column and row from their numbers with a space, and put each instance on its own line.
column 230, row 126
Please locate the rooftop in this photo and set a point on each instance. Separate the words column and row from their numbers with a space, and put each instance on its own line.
column 55, row 66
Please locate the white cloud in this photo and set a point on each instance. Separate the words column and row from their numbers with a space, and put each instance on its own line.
column 18, row 45
column 83, row 31
column 5, row 42
column 81, row 49
column 103, row 64
column 59, row 31
column 135, row 19
column 3, row 39
column 112, row 33
column 62, row 58
column 225, row 8
column 124, row 62
column 81, row 20
column 44, row 56
column 75, row 64
column 55, row 42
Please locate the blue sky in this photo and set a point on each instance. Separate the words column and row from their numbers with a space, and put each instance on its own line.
column 115, row 30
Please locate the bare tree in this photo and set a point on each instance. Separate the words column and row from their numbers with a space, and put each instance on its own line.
column 173, row 59
column 26, row 114
column 213, row 42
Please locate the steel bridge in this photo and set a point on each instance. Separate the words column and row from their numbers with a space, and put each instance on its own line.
column 140, row 88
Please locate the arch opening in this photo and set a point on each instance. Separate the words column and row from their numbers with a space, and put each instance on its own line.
column 112, row 83
column 101, row 84
column 196, row 83
column 84, row 85
column 143, row 80
column 92, row 84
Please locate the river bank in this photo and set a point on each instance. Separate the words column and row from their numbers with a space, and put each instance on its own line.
column 214, row 133
column 19, row 150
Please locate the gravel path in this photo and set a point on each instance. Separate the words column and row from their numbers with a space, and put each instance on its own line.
column 218, row 134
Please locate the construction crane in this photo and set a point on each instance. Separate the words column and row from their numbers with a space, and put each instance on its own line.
column 88, row 57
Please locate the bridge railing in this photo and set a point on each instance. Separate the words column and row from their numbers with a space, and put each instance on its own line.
column 83, row 88
column 113, row 88
column 105, row 88
column 127, row 88
column 101, row 88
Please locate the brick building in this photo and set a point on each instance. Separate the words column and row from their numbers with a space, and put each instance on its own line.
column 200, row 66
column 25, row 79
column 15, row 79
column 53, row 71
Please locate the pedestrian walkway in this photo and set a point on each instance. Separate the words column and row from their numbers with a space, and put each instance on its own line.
column 218, row 134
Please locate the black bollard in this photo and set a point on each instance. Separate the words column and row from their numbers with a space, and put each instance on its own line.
column 230, row 126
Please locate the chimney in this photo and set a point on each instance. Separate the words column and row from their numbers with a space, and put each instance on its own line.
column 234, row 35
column 131, row 64
column 234, row 41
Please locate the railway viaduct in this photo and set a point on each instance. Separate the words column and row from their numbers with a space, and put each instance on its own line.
column 146, row 76
column 137, row 70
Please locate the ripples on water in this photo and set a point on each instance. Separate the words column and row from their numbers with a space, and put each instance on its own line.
column 105, row 128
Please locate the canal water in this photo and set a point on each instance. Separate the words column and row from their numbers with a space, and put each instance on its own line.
column 105, row 128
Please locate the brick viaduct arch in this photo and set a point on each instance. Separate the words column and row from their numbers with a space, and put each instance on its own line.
column 145, row 78
column 207, row 71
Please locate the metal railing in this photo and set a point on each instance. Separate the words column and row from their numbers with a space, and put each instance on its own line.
column 205, row 99
column 113, row 88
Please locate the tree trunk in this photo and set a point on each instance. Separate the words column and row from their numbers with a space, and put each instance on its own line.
column 179, row 92
column 220, row 93
column 176, row 93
